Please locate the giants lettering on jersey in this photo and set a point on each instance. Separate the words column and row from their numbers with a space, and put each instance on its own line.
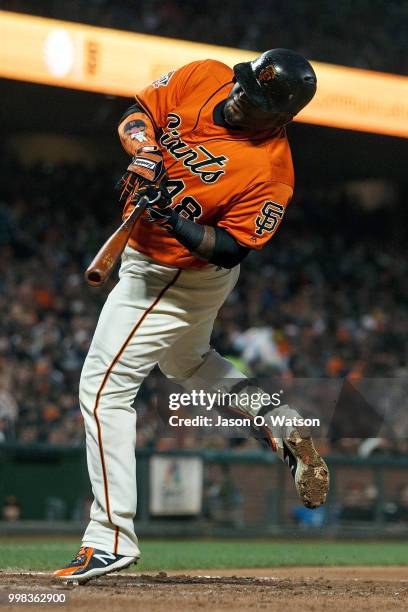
column 269, row 218
column 171, row 141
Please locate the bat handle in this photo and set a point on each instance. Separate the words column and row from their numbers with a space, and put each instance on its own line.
column 136, row 213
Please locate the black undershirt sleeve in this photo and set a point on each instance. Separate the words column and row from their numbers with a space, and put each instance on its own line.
column 228, row 253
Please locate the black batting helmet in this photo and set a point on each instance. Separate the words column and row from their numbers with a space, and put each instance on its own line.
column 280, row 80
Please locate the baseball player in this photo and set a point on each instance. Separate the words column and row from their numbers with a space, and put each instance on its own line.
column 209, row 149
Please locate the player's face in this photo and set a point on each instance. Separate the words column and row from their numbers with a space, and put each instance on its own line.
column 240, row 112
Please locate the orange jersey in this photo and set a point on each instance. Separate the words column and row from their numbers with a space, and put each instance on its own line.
column 234, row 179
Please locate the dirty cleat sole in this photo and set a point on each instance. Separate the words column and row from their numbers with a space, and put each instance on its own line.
column 309, row 470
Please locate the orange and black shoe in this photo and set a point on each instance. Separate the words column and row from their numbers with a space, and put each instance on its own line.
column 90, row 563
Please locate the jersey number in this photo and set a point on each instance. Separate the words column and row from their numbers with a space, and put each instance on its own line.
column 188, row 207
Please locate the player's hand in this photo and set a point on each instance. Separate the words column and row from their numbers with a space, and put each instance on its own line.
column 158, row 210
column 146, row 168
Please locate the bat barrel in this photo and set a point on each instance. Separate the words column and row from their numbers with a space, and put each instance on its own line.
column 94, row 278
column 101, row 267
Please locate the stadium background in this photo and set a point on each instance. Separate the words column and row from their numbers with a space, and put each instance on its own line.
column 326, row 299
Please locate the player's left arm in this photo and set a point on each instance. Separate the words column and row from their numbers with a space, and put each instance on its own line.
column 245, row 225
column 212, row 244
column 255, row 217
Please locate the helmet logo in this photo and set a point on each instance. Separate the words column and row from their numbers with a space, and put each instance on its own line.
column 267, row 74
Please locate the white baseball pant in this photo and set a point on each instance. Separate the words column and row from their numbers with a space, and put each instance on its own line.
column 156, row 314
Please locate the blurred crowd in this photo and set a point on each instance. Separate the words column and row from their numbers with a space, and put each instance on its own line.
column 325, row 31
column 47, row 316
column 326, row 299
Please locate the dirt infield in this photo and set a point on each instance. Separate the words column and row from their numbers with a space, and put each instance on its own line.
column 348, row 588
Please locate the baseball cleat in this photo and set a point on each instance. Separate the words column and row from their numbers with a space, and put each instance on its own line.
column 90, row 563
column 309, row 470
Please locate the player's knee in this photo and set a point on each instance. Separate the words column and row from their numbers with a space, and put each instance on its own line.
column 210, row 367
column 171, row 368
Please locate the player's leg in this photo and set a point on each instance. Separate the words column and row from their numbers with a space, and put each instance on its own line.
column 136, row 325
column 293, row 445
column 207, row 290
column 125, row 348
column 192, row 363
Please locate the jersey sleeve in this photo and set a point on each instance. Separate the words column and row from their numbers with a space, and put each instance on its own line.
column 254, row 219
column 164, row 94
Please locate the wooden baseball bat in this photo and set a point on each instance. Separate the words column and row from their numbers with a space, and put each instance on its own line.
column 104, row 261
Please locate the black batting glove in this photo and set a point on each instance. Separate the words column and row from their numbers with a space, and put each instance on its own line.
column 128, row 185
column 158, row 209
